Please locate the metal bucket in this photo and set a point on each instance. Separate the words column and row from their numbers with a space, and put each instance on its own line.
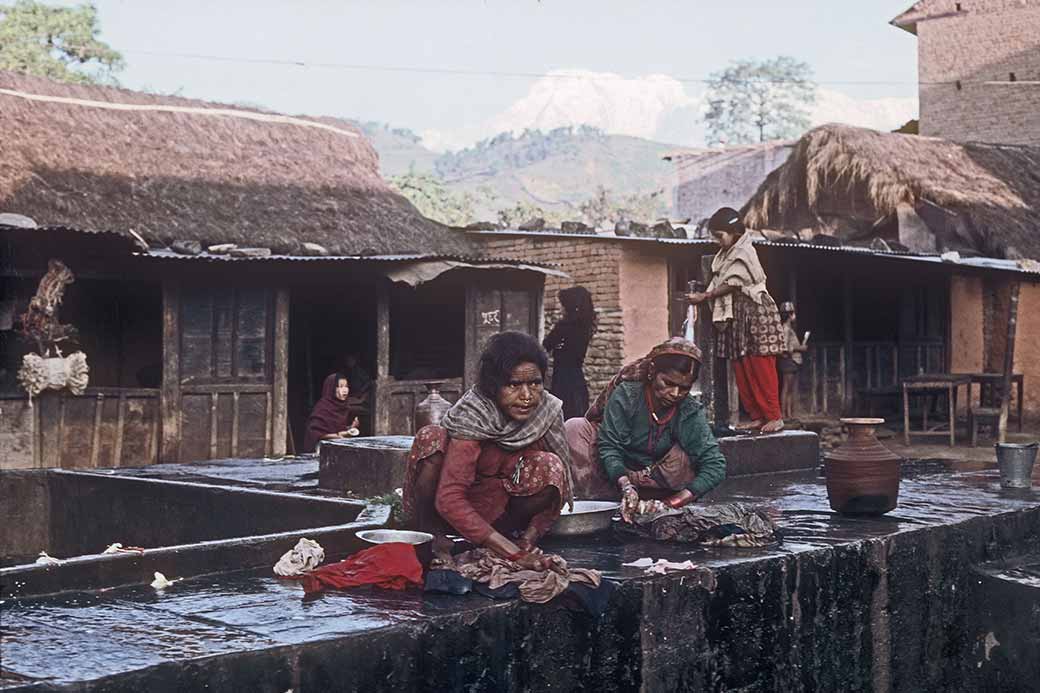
column 1016, row 464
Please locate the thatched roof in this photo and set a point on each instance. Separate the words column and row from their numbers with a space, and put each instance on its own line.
column 853, row 183
column 170, row 169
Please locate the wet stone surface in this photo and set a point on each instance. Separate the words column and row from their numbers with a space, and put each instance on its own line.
column 824, row 576
column 298, row 474
column 86, row 636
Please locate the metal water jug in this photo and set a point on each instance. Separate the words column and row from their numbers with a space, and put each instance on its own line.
column 432, row 409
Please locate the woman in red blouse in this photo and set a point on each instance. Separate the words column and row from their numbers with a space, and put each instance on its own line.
column 497, row 471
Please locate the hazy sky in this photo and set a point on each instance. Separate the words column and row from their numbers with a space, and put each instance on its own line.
column 844, row 40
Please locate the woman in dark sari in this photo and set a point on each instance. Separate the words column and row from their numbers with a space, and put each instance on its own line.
column 497, row 471
column 567, row 342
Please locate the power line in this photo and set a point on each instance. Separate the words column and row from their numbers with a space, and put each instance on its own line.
column 477, row 73
column 467, row 72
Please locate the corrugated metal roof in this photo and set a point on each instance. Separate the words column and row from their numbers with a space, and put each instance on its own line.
column 114, row 241
column 165, row 254
column 997, row 264
column 67, row 229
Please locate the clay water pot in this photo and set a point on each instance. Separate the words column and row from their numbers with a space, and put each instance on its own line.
column 432, row 409
column 862, row 474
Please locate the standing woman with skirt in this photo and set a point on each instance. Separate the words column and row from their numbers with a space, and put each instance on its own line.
column 747, row 324
column 567, row 343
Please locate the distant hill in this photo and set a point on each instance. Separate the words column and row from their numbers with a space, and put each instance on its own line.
column 400, row 149
column 555, row 170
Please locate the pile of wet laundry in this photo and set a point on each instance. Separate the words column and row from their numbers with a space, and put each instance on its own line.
column 395, row 566
column 482, row 572
column 740, row 525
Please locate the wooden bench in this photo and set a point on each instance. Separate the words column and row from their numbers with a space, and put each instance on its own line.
column 932, row 384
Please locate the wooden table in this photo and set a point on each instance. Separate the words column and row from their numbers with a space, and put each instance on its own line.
column 933, row 384
column 983, row 379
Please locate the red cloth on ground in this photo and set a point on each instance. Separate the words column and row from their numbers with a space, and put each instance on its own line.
column 758, row 386
column 390, row 566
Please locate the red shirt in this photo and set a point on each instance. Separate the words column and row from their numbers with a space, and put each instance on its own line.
column 471, row 495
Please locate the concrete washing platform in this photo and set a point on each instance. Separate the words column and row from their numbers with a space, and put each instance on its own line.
column 374, row 466
column 365, row 467
column 186, row 528
column 878, row 604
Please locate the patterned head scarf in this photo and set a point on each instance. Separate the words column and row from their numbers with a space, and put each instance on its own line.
column 639, row 370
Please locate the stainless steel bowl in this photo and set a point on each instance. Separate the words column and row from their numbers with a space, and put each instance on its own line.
column 588, row 517
column 389, row 536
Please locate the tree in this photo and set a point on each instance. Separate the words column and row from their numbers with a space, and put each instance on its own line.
column 604, row 207
column 754, row 101
column 598, row 209
column 523, row 211
column 56, row 42
column 433, row 199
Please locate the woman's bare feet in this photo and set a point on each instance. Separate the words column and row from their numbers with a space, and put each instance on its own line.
column 774, row 426
column 749, row 426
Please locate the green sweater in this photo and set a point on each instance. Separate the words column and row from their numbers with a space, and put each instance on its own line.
column 624, row 437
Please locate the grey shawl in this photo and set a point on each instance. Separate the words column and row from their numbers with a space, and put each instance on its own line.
column 476, row 417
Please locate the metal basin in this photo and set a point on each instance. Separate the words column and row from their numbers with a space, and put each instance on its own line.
column 588, row 517
column 390, row 536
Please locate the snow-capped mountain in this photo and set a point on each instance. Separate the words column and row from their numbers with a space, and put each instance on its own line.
column 655, row 107
column 610, row 102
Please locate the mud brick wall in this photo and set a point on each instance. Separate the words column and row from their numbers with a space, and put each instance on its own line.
column 592, row 263
column 994, row 316
column 986, row 40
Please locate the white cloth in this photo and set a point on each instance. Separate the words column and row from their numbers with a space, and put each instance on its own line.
column 660, row 566
column 53, row 373
column 305, row 556
column 161, row 582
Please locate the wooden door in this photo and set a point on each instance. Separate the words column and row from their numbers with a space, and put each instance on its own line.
column 224, row 372
column 490, row 311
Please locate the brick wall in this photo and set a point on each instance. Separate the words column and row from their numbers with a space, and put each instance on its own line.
column 986, row 40
column 593, row 264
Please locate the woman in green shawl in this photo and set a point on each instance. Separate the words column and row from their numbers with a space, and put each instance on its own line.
column 645, row 437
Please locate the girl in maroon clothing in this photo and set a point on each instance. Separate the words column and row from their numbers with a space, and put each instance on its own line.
column 498, row 470
column 330, row 418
